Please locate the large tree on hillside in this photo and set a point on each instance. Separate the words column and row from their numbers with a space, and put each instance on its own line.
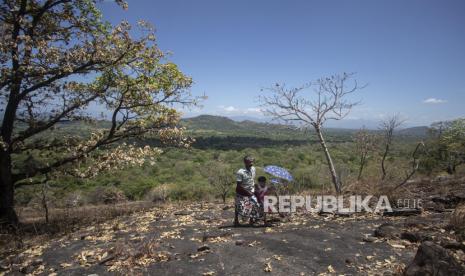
column 447, row 144
column 57, row 57
column 327, row 101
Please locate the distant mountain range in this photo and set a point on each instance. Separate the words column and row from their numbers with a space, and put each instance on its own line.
column 247, row 125
column 218, row 125
column 346, row 123
column 210, row 125
column 420, row 131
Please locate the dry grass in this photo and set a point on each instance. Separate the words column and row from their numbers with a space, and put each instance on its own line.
column 124, row 258
column 80, row 215
column 457, row 218
column 33, row 228
column 418, row 188
column 366, row 186
column 159, row 193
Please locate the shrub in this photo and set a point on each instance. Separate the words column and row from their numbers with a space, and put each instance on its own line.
column 184, row 168
column 457, row 218
column 107, row 195
column 159, row 193
column 74, row 199
column 221, row 179
column 191, row 191
column 304, row 179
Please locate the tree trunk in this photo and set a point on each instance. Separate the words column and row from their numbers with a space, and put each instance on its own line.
column 334, row 177
column 362, row 165
column 7, row 194
column 450, row 166
column 44, row 201
column 383, row 167
column 7, row 211
column 455, row 163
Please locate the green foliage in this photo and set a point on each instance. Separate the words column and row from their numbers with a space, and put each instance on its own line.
column 191, row 191
column 453, row 136
column 57, row 59
column 221, row 178
column 107, row 195
column 446, row 147
column 180, row 174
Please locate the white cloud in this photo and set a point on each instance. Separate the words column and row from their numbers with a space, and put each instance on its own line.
column 434, row 101
column 348, row 117
column 229, row 109
column 253, row 110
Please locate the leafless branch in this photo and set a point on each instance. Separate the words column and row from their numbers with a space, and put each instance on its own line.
column 415, row 165
column 327, row 102
column 388, row 126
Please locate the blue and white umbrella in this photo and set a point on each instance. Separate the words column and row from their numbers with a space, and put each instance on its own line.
column 278, row 172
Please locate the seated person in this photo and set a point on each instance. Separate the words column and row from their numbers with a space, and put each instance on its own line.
column 261, row 190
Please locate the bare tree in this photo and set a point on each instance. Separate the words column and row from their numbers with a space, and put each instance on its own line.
column 415, row 164
column 388, row 127
column 327, row 102
column 365, row 143
column 221, row 178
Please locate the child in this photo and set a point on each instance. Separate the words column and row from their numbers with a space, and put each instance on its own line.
column 261, row 190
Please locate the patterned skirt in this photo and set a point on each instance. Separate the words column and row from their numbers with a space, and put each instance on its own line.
column 248, row 207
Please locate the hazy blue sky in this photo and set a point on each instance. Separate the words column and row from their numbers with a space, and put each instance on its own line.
column 411, row 53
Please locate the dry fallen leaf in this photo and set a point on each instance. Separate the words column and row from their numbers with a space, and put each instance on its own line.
column 196, row 239
column 39, row 270
column 254, row 243
column 268, row 267
column 175, row 234
column 35, row 251
column 65, row 265
column 394, row 245
column 193, row 256
column 331, row 269
column 269, row 230
column 218, row 239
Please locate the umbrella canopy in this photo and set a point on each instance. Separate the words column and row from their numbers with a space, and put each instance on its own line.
column 278, row 172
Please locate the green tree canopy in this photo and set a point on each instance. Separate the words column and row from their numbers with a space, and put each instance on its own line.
column 58, row 58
